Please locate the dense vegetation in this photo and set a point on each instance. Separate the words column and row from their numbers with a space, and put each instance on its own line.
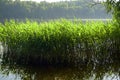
column 70, row 9
column 59, row 41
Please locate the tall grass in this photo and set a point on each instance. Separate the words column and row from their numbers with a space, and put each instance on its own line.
column 59, row 41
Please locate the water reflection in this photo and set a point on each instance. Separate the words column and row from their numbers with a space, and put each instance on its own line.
column 90, row 71
column 107, row 69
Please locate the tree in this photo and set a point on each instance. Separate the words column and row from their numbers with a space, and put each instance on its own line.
column 114, row 7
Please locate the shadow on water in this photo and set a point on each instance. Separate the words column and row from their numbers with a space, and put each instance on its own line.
column 104, row 67
column 109, row 71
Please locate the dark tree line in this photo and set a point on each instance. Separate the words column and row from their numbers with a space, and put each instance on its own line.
column 69, row 9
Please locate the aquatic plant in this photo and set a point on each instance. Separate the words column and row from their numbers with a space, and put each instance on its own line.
column 60, row 41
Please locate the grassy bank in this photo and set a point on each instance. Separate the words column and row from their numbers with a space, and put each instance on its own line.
column 59, row 41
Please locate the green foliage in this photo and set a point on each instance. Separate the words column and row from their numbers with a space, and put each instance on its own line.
column 114, row 6
column 60, row 39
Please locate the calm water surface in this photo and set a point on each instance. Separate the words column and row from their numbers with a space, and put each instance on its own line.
column 109, row 70
column 87, row 71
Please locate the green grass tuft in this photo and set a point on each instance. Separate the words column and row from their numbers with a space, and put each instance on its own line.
column 60, row 40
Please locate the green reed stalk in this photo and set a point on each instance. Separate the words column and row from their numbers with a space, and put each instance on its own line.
column 59, row 40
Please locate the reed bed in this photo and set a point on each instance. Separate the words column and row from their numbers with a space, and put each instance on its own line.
column 60, row 41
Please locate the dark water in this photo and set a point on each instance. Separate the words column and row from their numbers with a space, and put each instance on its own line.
column 88, row 71
column 108, row 69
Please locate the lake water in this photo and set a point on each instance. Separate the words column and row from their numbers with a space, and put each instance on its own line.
column 82, row 72
column 43, row 20
column 109, row 70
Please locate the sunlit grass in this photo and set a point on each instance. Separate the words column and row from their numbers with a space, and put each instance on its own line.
column 59, row 40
